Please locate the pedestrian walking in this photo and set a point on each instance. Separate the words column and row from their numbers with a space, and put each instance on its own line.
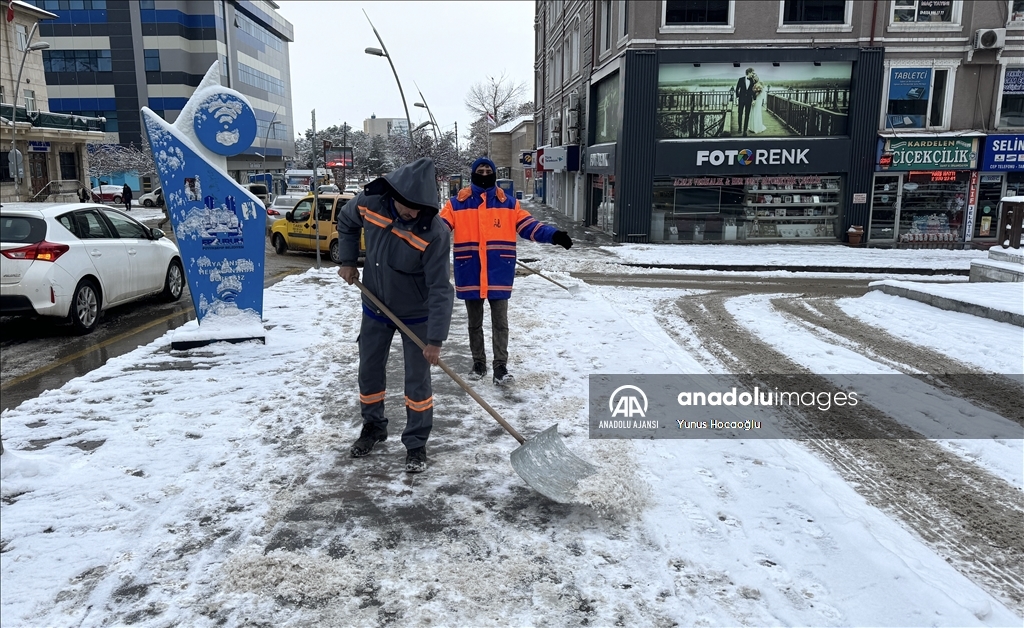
column 407, row 268
column 485, row 222
column 126, row 197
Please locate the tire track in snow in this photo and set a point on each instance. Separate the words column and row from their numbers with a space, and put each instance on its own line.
column 985, row 390
column 964, row 514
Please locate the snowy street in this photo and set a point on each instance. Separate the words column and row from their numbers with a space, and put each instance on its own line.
column 214, row 486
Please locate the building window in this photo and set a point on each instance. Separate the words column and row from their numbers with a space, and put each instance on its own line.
column 152, row 60
column 22, row 35
column 623, row 18
column 256, row 31
column 574, row 48
column 925, row 11
column 260, row 80
column 3, row 99
column 1016, row 12
column 559, row 63
column 149, row 5
column 1011, row 106
column 30, row 100
column 68, row 166
column 76, row 61
column 606, row 25
column 917, row 98
column 65, row 5
column 814, row 12
column 5, row 171
column 700, row 12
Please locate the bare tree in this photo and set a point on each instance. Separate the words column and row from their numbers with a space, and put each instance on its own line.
column 498, row 96
column 106, row 160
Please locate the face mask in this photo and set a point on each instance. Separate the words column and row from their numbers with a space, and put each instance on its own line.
column 484, row 181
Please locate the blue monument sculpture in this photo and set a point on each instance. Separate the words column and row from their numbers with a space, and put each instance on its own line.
column 219, row 225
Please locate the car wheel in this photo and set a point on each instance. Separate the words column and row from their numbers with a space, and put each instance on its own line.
column 279, row 244
column 174, row 283
column 117, row 200
column 147, row 203
column 85, row 307
column 336, row 252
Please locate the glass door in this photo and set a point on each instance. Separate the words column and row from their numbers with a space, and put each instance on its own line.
column 986, row 217
column 885, row 208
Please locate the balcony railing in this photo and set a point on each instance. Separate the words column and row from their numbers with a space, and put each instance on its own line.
column 51, row 120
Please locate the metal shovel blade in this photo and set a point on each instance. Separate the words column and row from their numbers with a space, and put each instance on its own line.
column 549, row 467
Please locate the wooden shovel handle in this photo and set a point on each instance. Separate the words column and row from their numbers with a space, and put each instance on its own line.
column 543, row 276
column 458, row 380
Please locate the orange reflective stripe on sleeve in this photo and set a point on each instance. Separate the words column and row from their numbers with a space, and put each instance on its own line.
column 372, row 398
column 420, row 406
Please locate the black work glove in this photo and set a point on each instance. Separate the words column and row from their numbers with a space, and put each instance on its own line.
column 562, row 239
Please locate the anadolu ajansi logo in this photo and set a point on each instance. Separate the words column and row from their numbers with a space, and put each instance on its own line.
column 627, row 405
column 225, row 124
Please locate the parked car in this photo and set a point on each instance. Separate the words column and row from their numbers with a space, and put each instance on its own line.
column 260, row 191
column 281, row 205
column 353, row 188
column 328, row 189
column 153, row 199
column 73, row 261
column 107, row 194
column 297, row 232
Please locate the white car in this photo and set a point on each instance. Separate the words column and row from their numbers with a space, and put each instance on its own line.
column 353, row 188
column 73, row 261
column 153, row 199
column 281, row 206
column 107, row 194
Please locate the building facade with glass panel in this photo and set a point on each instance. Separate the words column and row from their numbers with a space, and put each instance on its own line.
column 109, row 58
column 786, row 121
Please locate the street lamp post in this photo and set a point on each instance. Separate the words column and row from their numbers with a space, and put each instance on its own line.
column 39, row 45
column 383, row 52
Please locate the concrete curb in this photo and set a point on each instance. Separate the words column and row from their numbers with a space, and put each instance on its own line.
column 952, row 305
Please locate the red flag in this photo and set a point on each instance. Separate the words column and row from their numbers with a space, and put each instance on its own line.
column 10, row 12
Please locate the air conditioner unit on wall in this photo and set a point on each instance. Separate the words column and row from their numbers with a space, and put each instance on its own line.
column 989, row 38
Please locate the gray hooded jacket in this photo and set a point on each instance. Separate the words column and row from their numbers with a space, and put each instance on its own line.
column 407, row 264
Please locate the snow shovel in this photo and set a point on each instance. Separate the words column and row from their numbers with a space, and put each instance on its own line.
column 543, row 276
column 544, row 462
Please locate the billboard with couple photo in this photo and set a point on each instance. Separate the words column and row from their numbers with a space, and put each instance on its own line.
column 793, row 99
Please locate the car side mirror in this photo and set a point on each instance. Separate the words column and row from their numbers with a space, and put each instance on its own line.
column 157, row 233
column 290, row 216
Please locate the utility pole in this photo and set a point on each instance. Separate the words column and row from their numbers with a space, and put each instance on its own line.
column 313, row 214
column 344, row 156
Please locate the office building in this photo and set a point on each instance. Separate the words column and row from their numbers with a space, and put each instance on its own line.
column 109, row 58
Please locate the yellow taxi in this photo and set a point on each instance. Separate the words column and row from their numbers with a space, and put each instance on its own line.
column 297, row 231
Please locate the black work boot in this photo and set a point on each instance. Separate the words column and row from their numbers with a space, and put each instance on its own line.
column 479, row 370
column 370, row 436
column 416, row 460
column 502, row 377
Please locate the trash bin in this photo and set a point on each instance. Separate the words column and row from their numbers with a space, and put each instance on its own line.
column 519, row 195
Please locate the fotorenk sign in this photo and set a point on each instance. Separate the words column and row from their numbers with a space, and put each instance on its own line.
column 750, row 157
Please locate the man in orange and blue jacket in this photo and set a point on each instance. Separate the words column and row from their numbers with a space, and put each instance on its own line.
column 485, row 222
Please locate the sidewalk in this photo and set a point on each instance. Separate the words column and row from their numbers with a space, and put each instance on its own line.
column 947, row 287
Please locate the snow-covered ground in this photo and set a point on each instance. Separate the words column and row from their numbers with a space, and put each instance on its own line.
column 213, row 486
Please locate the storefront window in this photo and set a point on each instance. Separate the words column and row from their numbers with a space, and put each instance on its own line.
column 932, row 205
column 722, row 209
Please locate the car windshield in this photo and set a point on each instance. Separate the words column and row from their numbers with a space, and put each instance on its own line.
column 256, row 188
column 22, row 229
column 286, row 201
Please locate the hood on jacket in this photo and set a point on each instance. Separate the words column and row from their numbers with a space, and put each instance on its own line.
column 413, row 185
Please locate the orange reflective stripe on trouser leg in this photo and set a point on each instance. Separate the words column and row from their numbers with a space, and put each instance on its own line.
column 420, row 406
column 371, row 398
